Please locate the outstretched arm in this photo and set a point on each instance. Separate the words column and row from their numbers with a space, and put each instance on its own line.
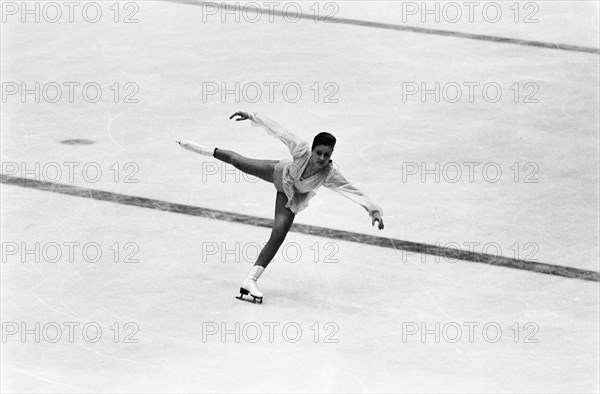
column 339, row 184
column 294, row 144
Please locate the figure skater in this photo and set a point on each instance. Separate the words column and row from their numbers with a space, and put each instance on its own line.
column 295, row 180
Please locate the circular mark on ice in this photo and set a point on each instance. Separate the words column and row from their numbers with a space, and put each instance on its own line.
column 77, row 141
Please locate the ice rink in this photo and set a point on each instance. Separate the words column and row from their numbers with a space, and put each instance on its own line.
column 122, row 253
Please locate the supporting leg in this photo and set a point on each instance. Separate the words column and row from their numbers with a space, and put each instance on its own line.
column 283, row 221
column 284, row 218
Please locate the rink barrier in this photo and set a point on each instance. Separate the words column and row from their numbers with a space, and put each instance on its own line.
column 435, row 250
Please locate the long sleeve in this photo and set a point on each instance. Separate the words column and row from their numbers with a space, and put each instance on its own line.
column 294, row 144
column 336, row 182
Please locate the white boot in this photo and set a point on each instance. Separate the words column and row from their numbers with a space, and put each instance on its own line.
column 249, row 285
column 194, row 147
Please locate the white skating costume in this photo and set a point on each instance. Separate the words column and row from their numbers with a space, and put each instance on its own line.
column 288, row 174
column 287, row 178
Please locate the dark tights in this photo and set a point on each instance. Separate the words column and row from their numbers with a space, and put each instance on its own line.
column 284, row 217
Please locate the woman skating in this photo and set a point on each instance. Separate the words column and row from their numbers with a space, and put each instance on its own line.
column 295, row 181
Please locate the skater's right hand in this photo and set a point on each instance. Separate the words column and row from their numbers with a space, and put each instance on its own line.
column 376, row 217
column 242, row 115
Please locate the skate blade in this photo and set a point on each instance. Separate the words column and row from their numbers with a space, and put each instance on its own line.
column 254, row 300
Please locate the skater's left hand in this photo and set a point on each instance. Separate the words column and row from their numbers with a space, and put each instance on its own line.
column 377, row 218
column 242, row 116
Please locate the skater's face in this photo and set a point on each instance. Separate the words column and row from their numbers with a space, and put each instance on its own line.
column 321, row 155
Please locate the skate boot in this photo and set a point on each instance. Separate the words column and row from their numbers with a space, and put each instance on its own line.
column 249, row 286
column 194, row 147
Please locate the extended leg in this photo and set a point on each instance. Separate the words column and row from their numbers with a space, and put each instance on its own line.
column 262, row 169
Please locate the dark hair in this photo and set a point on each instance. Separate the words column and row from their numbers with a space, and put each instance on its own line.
column 324, row 139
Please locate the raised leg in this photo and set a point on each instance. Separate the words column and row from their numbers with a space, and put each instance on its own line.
column 262, row 169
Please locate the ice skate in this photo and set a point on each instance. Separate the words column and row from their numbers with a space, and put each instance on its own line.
column 194, row 147
column 250, row 287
